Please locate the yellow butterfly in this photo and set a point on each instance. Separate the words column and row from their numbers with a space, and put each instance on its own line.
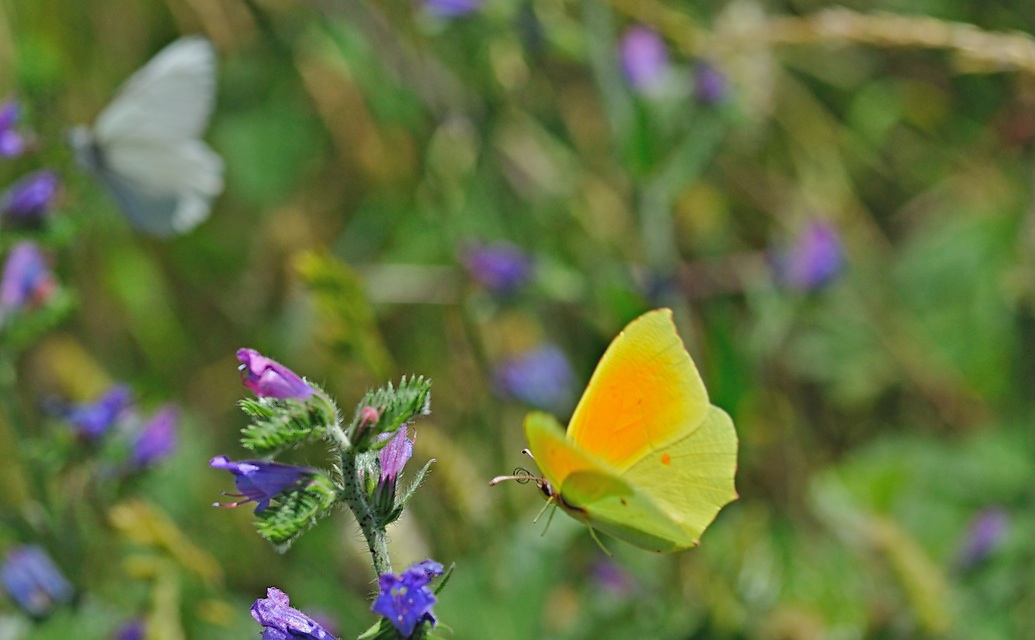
column 646, row 458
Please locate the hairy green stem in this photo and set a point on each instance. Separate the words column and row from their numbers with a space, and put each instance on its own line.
column 356, row 497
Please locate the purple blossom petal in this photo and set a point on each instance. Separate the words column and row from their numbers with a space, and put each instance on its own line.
column 27, row 279
column 542, row 378
column 157, row 440
column 93, row 419
column 451, row 8
column 33, row 580
column 270, row 379
column 282, row 622
column 500, row 267
column 644, row 58
column 405, row 600
column 30, row 198
column 812, row 260
column 259, row 481
column 394, row 455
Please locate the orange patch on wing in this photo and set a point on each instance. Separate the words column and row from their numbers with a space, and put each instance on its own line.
column 666, row 459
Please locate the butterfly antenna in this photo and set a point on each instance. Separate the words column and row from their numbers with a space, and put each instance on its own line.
column 593, row 533
column 520, row 475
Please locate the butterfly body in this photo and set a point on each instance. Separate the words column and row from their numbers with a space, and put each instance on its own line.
column 646, row 457
column 146, row 146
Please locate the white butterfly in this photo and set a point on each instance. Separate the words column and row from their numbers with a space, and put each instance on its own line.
column 146, row 146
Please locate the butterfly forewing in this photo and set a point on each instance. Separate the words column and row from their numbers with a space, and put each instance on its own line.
column 645, row 393
column 170, row 98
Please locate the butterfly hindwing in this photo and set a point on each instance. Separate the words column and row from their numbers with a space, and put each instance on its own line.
column 691, row 479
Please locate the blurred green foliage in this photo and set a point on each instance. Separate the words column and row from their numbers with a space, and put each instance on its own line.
column 368, row 143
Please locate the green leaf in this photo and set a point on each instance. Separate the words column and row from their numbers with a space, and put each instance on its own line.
column 292, row 513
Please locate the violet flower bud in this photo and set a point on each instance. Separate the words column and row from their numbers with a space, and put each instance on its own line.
column 91, row 420
column 813, row 259
column 157, row 439
column 541, row 377
column 270, row 379
column 12, row 143
column 33, row 581
column 644, row 58
column 28, row 200
column 499, row 267
column 27, row 279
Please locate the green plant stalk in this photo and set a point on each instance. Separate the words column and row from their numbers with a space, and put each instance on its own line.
column 356, row 497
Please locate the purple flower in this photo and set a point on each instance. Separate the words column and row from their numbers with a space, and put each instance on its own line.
column 259, row 481
column 812, row 260
column 29, row 199
column 394, row 455
column 93, row 419
column 541, row 377
column 33, row 580
column 27, row 278
column 451, row 8
column 405, row 599
column 644, row 58
column 710, row 85
column 157, row 439
column 270, row 379
column 500, row 267
column 984, row 535
column 12, row 143
column 283, row 622
column 132, row 630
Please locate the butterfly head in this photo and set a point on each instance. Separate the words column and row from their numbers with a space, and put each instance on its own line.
column 87, row 152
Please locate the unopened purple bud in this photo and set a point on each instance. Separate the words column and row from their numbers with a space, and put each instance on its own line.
column 281, row 621
column 269, row 379
column 710, row 86
column 812, row 260
column 451, row 8
column 157, row 440
column 542, row 378
column 29, row 199
column 644, row 58
column 500, row 267
column 33, row 580
column 394, row 455
column 27, row 279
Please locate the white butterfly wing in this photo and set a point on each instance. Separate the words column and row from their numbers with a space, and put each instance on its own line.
column 169, row 98
column 164, row 187
column 148, row 150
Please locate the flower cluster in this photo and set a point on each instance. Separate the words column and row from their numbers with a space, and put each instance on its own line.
column 141, row 442
column 405, row 600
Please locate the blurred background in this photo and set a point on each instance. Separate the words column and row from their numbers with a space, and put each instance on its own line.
column 835, row 201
